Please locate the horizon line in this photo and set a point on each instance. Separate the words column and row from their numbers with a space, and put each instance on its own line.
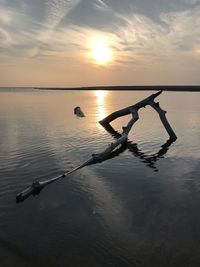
column 192, row 88
column 128, row 88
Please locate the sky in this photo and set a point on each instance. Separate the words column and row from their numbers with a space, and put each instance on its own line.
column 71, row 43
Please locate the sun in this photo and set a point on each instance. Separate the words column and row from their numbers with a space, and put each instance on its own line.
column 101, row 52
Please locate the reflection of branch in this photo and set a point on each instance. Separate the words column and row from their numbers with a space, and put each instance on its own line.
column 149, row 160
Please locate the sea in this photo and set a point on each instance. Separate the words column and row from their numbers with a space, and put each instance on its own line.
column 140, row 207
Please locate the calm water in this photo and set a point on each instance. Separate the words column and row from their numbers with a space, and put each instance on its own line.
column 140, row 208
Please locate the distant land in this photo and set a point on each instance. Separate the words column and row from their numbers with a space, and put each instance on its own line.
column 187, row 88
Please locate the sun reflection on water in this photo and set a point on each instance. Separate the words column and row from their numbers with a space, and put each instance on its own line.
column 100, row 101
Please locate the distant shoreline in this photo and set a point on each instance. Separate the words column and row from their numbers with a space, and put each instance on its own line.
column 177, row 88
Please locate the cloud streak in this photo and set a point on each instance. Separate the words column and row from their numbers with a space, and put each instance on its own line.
column 56, row 10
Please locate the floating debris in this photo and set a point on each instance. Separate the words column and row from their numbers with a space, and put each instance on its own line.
column 78, row 112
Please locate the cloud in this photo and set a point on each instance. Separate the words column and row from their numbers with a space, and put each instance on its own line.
column 100, row 5
column 94, row 14
column 192, row 2
column 20, row 31
column 5, row 39
column 184, row 28
column 56, row 10
column 32, row 52
column 156, row 42
column 5, row 17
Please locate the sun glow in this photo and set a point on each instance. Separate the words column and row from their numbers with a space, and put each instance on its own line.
column 101, row 52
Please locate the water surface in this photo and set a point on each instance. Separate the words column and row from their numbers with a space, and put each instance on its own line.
column 140, row 208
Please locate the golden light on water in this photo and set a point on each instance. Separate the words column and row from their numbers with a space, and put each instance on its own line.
column 101, row 52
column 101, row 95
column 101, row 101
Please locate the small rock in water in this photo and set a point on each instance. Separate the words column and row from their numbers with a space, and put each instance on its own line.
column 78, row 112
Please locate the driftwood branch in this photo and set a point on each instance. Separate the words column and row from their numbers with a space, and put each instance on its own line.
column 162, row 114
column 147, row 101
column 120, row 141
column 127, row 110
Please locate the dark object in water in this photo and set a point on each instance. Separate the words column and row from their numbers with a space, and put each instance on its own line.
column 78, row 112
column 34, row 189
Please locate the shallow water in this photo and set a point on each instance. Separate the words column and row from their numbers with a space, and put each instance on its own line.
column 140, row 208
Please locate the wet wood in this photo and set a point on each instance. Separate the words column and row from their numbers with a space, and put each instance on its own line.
column 121, row 140
column 163, row 118
column 142, row 104
column 127, row 110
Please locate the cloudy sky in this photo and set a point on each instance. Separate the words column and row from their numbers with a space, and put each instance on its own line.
column 99, row 42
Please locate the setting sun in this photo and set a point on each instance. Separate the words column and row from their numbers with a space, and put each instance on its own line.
column 101, row 53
